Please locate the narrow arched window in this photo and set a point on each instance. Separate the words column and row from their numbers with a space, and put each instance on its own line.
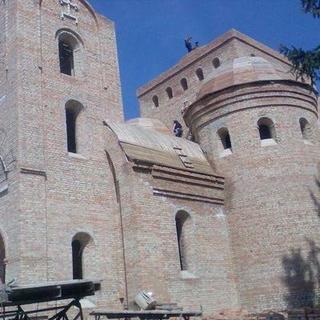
column 73, row 109
column 155, row 101
column 199, row 74
column 169, row 92
column 305, row 129
column 2, row 261
column 77, row 259
column 184, row 84
column 70, row 52
column 79, row 242
column 183, row 228
column 266, row 129
column 225, row 139
column 66, row 57
column 216, row 63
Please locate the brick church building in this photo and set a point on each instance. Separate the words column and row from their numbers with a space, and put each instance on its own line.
column 225, row 217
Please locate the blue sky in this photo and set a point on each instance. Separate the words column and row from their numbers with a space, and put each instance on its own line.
column 150, row 33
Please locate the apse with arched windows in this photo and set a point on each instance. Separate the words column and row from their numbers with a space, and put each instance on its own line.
column 266, row 129
column 83, row 256
column 2, row 261
column 184, row 239
column 70, row 52
column 73, row 109
column 305, row 129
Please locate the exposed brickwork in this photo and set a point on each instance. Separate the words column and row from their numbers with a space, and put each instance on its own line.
column 272, row 218
column 271, row 187
column 41, row 213
column 251, row 239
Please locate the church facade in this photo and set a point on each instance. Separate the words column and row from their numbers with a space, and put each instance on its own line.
column 225, row 217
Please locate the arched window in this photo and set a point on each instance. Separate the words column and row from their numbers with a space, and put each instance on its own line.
column 199, row 74
column 155, row 101
column 2, row 261
column 216, row 63
column 79, row 242
column 73, row 109
column 66, row 58
column 184, row 229
column 224, row 136
column 184, row 84
column 169, row 92
column 266, row 129
column 70, row 57
column 305, row 129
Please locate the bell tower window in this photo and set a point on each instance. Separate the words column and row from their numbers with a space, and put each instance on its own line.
column 66, row 58
column 71, row 48
column 73, row 108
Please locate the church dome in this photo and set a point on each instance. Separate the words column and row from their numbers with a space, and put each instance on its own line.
column 149, row 123
column 243, row 70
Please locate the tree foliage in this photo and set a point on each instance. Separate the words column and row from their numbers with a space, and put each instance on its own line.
column 311, row 6
column 305, row 63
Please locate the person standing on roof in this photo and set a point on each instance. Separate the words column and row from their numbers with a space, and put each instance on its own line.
column 177, row 128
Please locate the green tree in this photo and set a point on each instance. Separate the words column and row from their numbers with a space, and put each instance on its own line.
column 305, row 63
column 311, row 6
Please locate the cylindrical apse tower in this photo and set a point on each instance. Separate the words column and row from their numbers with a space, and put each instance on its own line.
column 258, row 126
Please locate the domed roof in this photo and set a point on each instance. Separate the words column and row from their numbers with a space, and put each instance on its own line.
column 243, row 70
column 149, row 123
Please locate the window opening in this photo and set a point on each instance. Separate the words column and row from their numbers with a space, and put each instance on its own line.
column 225, row 138
column 184, row 84
column 66, row 58
column 200, row 75
column 181, row 219
column 266, row 129
column 79, row 244
column 305, row 129
column 2, row 261
column 169, row 92
column 155, row 100
column 73, row 109
column 216, row 63
column 77, row 259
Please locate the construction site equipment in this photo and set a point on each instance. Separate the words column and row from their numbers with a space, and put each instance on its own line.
column 145, row 314
column 13, row 300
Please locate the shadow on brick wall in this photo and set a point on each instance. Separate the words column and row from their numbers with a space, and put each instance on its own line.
column 302, row 271
column 301, row 277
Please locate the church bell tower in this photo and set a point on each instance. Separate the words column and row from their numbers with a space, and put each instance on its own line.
column 59, row 80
